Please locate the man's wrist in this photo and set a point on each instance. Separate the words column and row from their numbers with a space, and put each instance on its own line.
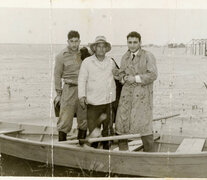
column 123, row 80
column 124, row 77
column 58, row 92
column 83, row 97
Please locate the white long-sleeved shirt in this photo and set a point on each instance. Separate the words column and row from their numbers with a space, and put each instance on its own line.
column 96, row 81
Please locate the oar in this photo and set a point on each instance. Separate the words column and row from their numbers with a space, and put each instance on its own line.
column 98, row 139
column 11, row 131
column 97, row 131
column 94, row 134
column 166, row 117
column 108, row 138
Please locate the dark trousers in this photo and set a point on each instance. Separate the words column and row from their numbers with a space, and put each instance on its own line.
column 93, row 114
column 148, row 142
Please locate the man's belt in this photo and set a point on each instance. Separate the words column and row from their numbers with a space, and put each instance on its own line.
column 70, row 82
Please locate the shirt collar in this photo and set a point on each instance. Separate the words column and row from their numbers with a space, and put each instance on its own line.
column 135, row 53
column 95, row 58
column 138, row 53
column 70, row 51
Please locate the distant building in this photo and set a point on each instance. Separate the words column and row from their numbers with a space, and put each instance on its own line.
column 175, row 45
column 197, row 47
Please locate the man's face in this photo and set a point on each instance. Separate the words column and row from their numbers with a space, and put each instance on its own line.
column 100, row 49
column 133, row 44
column 74, row 43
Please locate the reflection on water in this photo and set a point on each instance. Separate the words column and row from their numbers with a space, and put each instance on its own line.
column 12, row 166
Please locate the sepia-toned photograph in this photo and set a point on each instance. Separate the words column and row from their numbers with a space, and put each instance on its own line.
column 108, row 88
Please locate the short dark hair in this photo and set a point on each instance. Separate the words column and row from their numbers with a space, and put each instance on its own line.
column 73, row 34
column 134, row 34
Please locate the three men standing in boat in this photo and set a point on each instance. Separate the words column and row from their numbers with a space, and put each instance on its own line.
column 96, row 90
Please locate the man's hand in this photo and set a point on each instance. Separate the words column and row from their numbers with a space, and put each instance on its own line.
column 57, row 99
column 83, row 102
column 130, row 79
column 115, row 71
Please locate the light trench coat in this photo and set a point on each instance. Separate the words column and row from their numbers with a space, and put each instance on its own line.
column 135, row 110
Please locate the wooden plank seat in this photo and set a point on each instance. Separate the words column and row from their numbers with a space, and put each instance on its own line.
column 135, row 145
column 191, row 145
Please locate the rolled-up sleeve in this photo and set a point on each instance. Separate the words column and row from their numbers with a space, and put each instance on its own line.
column 151, row 73
column 82, row 80
column 58, row 73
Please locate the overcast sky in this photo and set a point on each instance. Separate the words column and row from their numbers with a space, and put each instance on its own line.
column 46, row 25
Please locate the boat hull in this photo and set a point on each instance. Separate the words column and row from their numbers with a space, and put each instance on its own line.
column 128, row 163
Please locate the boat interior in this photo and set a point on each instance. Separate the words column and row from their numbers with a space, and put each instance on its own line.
column 162, row 143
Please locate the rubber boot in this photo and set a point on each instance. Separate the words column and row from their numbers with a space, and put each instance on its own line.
column 123, row 145
column 94, row 144
column 148, row 142
column 81, row 136
column 62, row 136
column 106, row 145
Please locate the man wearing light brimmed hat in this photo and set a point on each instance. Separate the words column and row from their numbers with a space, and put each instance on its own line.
column 96, row 87
column 100, row 39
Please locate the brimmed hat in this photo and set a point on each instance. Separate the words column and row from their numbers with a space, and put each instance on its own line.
column 100, row 39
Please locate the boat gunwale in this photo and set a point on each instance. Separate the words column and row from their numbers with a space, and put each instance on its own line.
column 53, row 128
column 101, row 151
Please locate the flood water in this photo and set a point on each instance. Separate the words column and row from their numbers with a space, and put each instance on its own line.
column 27, row 91
column 12, row 166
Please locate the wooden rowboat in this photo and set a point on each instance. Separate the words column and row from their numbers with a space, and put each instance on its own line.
column 175, row 156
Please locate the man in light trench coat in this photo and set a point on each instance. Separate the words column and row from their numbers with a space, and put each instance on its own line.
column 137, row 72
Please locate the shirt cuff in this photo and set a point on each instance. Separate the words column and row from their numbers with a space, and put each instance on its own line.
column 122, row 81
column 59, row 92
column 81, row 94
column 138, row 79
